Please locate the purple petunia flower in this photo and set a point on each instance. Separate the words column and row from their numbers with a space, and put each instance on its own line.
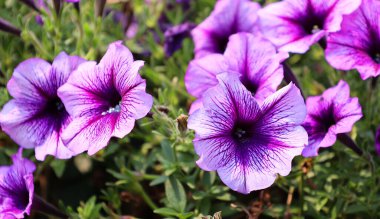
column 175, row 35
column 245, row 143
column 377, row 141
column 227, row 18
column 295, row 25
column 36, row 117
column 104, row 99
column 16, row 187
column 252, row 57
column 328, row 115
column 357, row 45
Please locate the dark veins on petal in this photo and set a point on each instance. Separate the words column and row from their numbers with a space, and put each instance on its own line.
column 14, row 187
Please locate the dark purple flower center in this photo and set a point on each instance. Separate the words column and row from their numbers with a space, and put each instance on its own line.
column 250, row 85
column 113, row 99
column 326, row 118
column 15, row 188
column 311, row 21
column 221, row 44
column 313, row 25
column 375, row 55
column 56, row 111
column 221, row 41
column 241, row 132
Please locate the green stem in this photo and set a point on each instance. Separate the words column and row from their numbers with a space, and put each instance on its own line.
column 37, row 44
column 81, row 32
column 137, row 188
column 147, row 199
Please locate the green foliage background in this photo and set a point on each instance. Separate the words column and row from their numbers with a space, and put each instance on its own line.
column 151, row 173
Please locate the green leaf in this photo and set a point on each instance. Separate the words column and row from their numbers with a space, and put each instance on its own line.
column 90, row 210
column 175, row 194
column 166, row 211
column 356, row 208
column 58, row 167
column 159, row 180
column 167, row 151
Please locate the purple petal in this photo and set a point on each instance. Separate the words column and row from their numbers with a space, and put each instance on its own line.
column 79, row 93
column 332, row 113
column 252, row 180
column 201, row 73
column 17, row 187
column 227, row 18
column 116, row 58
column 175, row 35
column 104, row 100
column 377, row 141
column 89, row 133
column 246, row 145
column 285, row 107
column 62, row 67
column 18, row 160
column 29, row 80
column 53, row 146
column 295, row 25
column 338, row 93
column 197, row 104
column 258, row 63
column 214, row 120
column 356, row 45
column 21, row 121
column 3, row 172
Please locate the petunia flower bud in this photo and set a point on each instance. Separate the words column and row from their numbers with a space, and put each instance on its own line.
column 182, row 123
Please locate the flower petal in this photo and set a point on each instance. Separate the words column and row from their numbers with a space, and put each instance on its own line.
column 117, row 58
column 337, row 94
column 286, row 106
column 63, row 65
column 377, row 141
column 356, row 43
column 258, row 63
column 201, row 73
column 227, row 18
column 30, row 80
column 129, row 78
column 83, row 94
column 53, row 146
column 197, row 104
column 24, row 124
column 89, row 133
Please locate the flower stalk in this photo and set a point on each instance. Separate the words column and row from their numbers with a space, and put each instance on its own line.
column 42, row 206
column 347, row 141
column 289, row 76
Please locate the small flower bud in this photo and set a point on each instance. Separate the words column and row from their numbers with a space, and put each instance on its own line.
column 182, row 123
